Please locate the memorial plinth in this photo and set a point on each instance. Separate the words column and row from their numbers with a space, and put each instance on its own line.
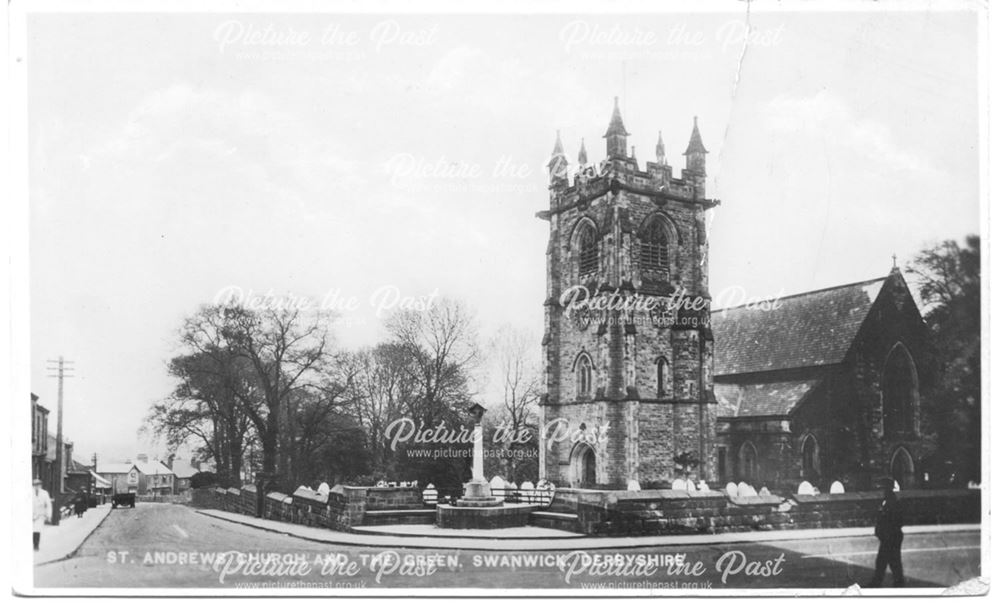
column 478, row 507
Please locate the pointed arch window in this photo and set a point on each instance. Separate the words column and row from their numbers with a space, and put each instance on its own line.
column 584, row 375
column 662, row 376
column 900, row 393
column 748, row 462
column 655, row 247
column 810, row 459
column 587, row 249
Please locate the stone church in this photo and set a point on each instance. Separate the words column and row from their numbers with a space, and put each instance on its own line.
column 823, row 386
column 641, row 377
column 629, row 389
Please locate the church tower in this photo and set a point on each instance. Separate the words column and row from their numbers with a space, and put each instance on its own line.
column 628, row 339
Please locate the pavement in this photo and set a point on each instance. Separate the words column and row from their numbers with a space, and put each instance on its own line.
column 521, row 539
column 62, row 541
column 157, row 547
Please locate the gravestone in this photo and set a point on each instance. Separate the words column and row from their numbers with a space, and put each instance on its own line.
column 744, row 490
column 836, row 487
column 805, row 489
column 430, row 494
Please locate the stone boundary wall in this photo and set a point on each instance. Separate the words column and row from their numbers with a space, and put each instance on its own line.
column 616, row 512
column 679, row 512
column 344, row 507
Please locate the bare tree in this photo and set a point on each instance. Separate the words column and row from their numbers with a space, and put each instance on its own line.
column 384, row 390
column 511, row 352
column 440, row 344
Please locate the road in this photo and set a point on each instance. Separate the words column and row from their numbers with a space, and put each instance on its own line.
column 171, row 546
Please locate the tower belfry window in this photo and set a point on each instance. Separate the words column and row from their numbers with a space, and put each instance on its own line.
column 655, row 248
column 588, row 250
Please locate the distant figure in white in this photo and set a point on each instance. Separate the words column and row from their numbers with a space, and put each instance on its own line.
column 41, row 512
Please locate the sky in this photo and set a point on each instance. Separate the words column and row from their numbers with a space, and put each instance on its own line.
column 374, row 162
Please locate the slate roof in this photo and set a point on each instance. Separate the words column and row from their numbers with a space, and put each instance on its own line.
column 762, row 399
column 114, row 468
column 184, row 470
column 811, row 329
column 154, row 467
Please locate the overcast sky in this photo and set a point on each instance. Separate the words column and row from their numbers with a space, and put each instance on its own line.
column 175, row 156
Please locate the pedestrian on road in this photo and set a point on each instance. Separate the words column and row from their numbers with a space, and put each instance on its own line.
column 889, row 530
column 80, row 504
column 41, row 512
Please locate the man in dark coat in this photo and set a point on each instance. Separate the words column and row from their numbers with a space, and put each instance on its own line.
column 889, row 530
column 80, row 504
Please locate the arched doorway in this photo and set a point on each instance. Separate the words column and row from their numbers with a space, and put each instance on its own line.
column 583, row 466
column 748, row 462
column 901, row 468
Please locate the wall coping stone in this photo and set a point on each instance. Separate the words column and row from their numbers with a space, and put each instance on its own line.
column 828, row 498
column 750, row 501
column 310, row 496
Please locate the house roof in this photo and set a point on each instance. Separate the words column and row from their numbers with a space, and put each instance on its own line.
column 775, row 398
column 154, row 467
column 184, row 471
column 114, row 468
column 811, row 329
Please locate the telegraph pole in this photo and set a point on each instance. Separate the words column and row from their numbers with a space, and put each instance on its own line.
column 60, row 367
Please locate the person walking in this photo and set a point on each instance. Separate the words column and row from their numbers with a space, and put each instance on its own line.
column 41, row 512
column 889, row 531
column 80, row 504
